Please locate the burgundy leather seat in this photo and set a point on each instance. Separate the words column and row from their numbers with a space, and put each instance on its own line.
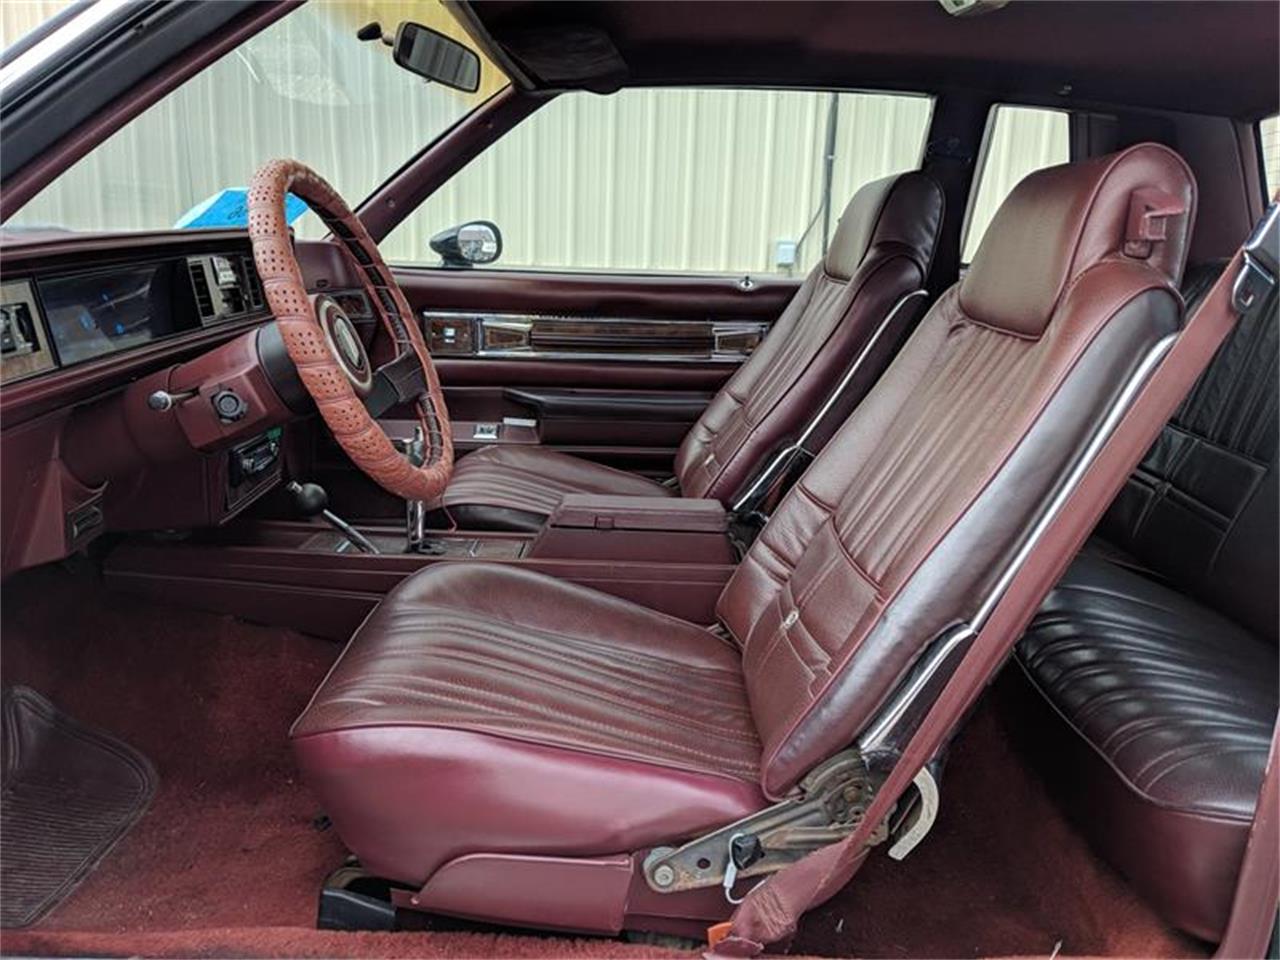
column 510, row 746
column 880, row 253
column 1156, row 655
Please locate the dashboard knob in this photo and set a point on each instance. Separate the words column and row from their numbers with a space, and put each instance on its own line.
column 229, row 406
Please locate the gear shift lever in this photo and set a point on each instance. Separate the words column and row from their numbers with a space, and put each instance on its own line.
column 416, row 511
column 311, row 500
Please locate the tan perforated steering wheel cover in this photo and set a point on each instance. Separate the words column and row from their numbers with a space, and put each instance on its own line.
column 355, row 430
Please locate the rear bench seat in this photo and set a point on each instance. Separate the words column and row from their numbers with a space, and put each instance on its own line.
column 1156, row 655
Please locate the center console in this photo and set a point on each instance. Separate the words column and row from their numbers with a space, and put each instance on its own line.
column 669, row 554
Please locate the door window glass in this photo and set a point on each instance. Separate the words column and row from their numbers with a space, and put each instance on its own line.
column 696, row 180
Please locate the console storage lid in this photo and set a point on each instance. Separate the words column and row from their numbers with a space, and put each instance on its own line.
column 606, row 512
column 624, row 529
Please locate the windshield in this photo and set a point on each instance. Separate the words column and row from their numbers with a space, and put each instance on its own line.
column 304, row 87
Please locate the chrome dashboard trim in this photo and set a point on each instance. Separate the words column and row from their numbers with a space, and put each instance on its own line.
column 521, row 328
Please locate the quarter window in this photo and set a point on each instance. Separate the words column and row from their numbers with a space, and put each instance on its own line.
column 675, row 179
column 1269, row 134
column 1020, row 140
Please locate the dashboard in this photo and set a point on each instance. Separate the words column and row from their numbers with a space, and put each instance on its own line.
column 60, row 319
column 95, row 329
column 144, row 386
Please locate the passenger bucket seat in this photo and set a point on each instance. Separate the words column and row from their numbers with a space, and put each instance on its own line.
column 515, row 748
column 864, row 294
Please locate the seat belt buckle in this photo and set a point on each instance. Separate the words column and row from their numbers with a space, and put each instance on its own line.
column 1261, row 262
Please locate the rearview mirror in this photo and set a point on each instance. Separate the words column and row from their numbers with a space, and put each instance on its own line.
column 429, row 54
column 477, row 242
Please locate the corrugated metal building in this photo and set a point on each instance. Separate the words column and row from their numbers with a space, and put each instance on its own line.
column 700, row 180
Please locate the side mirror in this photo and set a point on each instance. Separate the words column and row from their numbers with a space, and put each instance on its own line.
column 477, row 242
column 429, row 54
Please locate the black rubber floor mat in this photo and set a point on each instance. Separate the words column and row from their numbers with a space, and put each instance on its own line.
column 67, row 794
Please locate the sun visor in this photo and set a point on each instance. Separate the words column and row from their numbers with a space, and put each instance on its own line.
column 574, row 57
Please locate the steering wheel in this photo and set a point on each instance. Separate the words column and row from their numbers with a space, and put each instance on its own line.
column 323, row 344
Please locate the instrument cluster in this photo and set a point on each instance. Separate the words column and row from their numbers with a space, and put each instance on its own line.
column 66, row 318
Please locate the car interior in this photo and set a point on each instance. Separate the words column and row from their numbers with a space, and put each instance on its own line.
column 532, row 550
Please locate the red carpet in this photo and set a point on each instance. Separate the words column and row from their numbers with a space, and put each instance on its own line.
column 228, row 840
column 1001, row 873
column 228, row 861
column 297, row 942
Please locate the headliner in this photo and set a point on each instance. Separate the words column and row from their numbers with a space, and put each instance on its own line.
column 1204, row 56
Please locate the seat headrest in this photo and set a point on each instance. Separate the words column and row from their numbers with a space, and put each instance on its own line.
column 1137, row 204
column 905, row 208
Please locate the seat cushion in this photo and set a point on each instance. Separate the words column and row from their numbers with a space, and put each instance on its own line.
column 1167, row 710
column 509, row 487
column 486, row 708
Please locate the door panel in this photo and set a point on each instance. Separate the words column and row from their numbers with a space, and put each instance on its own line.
column 615, row 368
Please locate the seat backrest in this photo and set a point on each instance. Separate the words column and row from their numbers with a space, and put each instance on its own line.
column 905, row 524
column 1201, row 509
column 880, row 253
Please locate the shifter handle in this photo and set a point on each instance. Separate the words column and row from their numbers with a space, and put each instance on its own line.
column 310, row 499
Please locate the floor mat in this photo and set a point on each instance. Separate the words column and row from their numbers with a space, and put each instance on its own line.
column 67, row 795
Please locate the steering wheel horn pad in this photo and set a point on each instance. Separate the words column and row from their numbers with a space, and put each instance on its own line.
column 344, row 342
column 325, row 347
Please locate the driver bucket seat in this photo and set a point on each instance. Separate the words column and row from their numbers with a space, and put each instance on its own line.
column 853, row 299
column 514, row 748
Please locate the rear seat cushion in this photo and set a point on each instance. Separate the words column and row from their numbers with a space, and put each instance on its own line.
column 1165, row 711
column 1158, row 648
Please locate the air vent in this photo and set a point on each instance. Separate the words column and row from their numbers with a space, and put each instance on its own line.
column 233, row 299
column 250, row 283
column 200, row 287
